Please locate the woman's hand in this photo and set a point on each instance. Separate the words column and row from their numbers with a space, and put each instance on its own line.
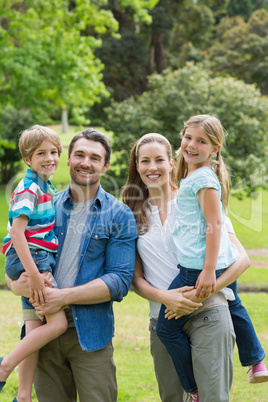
column 176, row 303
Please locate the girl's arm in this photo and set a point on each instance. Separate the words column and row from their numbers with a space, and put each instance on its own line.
column 36, row 280
column 210, row 204
column 172, row 299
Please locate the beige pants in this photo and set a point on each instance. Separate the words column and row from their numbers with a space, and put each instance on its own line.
column 65, row 370
column 212, row 339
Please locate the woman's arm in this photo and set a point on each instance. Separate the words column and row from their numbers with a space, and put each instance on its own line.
column 173, row 299
column 236, row 269
column 230, row 275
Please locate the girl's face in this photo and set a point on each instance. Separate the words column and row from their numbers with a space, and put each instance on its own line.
column 154, row 165
column 196, row 148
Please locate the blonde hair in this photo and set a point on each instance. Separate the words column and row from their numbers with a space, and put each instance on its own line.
column 135, row 194
column 213, row 129
column 33, row 137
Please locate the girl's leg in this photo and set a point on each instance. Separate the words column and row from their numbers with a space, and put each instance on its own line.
column 172, row 336
column 249, row 346
column 55, row 326
column 27, row 368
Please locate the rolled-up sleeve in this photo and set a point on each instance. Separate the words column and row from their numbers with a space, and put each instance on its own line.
column 120, row 255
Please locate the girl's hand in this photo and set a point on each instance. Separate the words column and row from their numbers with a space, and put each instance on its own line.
column 37, row 287
column 206, row 283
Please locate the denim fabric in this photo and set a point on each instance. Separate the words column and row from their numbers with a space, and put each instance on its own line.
column 44, row 260
column 171, row 332
column 107, row 251
column 249, row 347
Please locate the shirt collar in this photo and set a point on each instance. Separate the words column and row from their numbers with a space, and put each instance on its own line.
column 99, row 199
column 45, row 186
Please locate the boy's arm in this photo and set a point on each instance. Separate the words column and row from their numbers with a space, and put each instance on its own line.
column 36, row 280
column 210, row 204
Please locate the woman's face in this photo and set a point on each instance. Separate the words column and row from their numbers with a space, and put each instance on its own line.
column 154, row 165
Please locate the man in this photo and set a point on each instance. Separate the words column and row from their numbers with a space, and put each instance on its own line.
column 94, row 267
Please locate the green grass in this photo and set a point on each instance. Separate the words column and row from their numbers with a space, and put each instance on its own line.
column 254, row 277
column 135, row 373
column 250, row 220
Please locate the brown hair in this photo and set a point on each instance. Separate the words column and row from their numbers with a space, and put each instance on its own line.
column 135, row 194
column 33, row 137
column 93, row 135
column 213, row 129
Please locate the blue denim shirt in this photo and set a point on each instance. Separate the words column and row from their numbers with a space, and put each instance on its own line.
column 107, row 251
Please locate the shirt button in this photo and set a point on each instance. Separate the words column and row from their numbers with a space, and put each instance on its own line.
column 62, row 233
column 68, row 214
column 96, row 236
column 82, row 255
column 76, row 318
column 94, row 216
column 205, row 318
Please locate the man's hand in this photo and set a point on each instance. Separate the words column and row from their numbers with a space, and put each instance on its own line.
column 54, row 302
column 20, row 287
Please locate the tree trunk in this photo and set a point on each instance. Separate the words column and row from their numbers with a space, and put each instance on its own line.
column 64, row 121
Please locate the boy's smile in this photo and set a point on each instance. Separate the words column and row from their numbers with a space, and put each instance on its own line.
column 44, row 160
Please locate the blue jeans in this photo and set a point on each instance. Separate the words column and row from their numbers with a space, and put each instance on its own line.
column 171, row 334
column 249, row 347
column 44, row 261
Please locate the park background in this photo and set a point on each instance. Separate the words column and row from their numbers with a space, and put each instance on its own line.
column 129, row 67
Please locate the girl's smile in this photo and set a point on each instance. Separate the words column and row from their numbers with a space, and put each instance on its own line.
column 197, row 149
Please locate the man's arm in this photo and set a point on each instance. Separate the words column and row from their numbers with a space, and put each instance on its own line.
column 114, row 284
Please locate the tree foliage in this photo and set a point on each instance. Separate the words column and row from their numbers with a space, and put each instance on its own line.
column 240, row 49
column 12, row 123
column 47, row 53
column 173, row 97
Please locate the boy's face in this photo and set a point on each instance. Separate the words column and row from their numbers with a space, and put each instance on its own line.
column 44, row 160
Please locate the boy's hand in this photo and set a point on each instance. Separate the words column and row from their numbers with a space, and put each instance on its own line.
column 37, row 287
column 205, row 284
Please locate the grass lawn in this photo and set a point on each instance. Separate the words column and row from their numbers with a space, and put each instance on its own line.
column 135, row 373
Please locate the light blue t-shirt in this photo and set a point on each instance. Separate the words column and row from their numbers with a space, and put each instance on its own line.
column 190, row 229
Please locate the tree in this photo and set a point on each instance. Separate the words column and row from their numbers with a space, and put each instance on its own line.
column 12, row 123
column 175, row 96
column 240, row 49
column 47, row 53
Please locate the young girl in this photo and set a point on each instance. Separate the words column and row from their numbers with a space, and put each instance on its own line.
column 204, row 250
column 29, row 246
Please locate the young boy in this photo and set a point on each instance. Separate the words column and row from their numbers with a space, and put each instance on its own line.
column 29, row 247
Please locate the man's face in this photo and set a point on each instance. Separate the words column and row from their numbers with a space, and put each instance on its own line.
column 87, row 162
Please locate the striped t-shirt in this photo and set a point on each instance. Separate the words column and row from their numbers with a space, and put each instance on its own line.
column 33, row 197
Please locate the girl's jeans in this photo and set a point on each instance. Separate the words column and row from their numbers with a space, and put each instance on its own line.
column 171, row 332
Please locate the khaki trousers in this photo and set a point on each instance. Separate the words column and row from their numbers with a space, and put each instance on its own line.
column 212, row 340
column 65, row 370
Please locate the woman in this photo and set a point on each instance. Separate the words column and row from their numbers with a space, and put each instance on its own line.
column 150, row 192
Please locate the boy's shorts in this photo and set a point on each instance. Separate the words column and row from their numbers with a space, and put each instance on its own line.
column 44, row 261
